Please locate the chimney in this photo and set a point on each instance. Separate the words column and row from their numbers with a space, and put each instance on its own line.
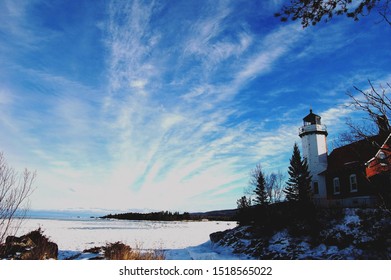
column 383, row 125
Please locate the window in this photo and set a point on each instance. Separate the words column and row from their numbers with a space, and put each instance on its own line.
column 382, row 158
column 316, row 187
column 353, row 183
column 337, row 188
column 382, row 155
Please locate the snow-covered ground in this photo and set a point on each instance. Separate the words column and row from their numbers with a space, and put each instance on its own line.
column 344, row 234
column 179, row 240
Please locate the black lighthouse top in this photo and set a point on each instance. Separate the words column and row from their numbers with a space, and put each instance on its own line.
column 311, row 118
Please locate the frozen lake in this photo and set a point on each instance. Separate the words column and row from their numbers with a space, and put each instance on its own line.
column 181, row 240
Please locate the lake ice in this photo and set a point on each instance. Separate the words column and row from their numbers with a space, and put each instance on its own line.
column 181, row 240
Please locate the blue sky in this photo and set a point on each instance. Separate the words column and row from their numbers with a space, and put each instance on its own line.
column 169, row 104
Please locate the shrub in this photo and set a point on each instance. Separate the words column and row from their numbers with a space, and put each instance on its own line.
column 120, row 251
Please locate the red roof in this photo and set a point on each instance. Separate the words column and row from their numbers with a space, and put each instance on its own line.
column 355, row 153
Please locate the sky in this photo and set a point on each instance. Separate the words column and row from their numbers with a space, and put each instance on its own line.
column 169, row 105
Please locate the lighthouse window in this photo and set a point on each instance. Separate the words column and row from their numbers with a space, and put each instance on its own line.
column 353, row 183
column 337, row 187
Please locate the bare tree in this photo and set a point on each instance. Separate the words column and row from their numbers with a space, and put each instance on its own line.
column 15, row 190
column 376, row 104
column 275, row 185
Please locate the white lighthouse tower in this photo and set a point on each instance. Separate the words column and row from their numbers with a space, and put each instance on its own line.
column 313, row 138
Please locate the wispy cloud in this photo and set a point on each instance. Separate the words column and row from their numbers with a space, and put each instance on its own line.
column 14, row 25
column 184, row 100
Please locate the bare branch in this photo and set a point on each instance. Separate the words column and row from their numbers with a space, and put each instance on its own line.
column 15, row 189
column 313, row 12
column 376, row 103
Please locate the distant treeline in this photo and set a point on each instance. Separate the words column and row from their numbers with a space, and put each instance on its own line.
column 169, row 216
column 153, row 216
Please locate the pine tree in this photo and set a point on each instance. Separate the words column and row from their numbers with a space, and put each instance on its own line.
column 244, row 212
column 243, row 203
column 258, row 181
column 299, row 182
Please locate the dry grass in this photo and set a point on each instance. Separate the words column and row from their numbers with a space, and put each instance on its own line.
column 120, row 251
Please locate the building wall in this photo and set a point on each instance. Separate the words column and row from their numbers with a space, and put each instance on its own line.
column 344, row 175
column 314, row 148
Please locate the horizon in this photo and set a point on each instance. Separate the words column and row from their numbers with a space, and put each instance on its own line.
column 96, row 213
column 170, row 105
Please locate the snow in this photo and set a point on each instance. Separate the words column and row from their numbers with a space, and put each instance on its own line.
column 355, row 235
column 179, row 240
column 280, row 241
column 205, row 251
column 350, row 223
column 351, row 216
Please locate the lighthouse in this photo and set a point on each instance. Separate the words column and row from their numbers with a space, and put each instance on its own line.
column 314, row 147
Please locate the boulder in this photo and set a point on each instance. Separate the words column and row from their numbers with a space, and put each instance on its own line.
column 32, row 246
column 217, row 236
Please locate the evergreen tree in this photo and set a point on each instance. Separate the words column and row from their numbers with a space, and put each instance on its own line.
column 243, row 203
column 244, row 213
column 299, row 183
column 258, row 181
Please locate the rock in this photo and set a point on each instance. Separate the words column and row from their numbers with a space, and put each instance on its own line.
column 351, row 236
column 13, row 239
column 23, row 241
column 32, row 246
column 217, row 236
